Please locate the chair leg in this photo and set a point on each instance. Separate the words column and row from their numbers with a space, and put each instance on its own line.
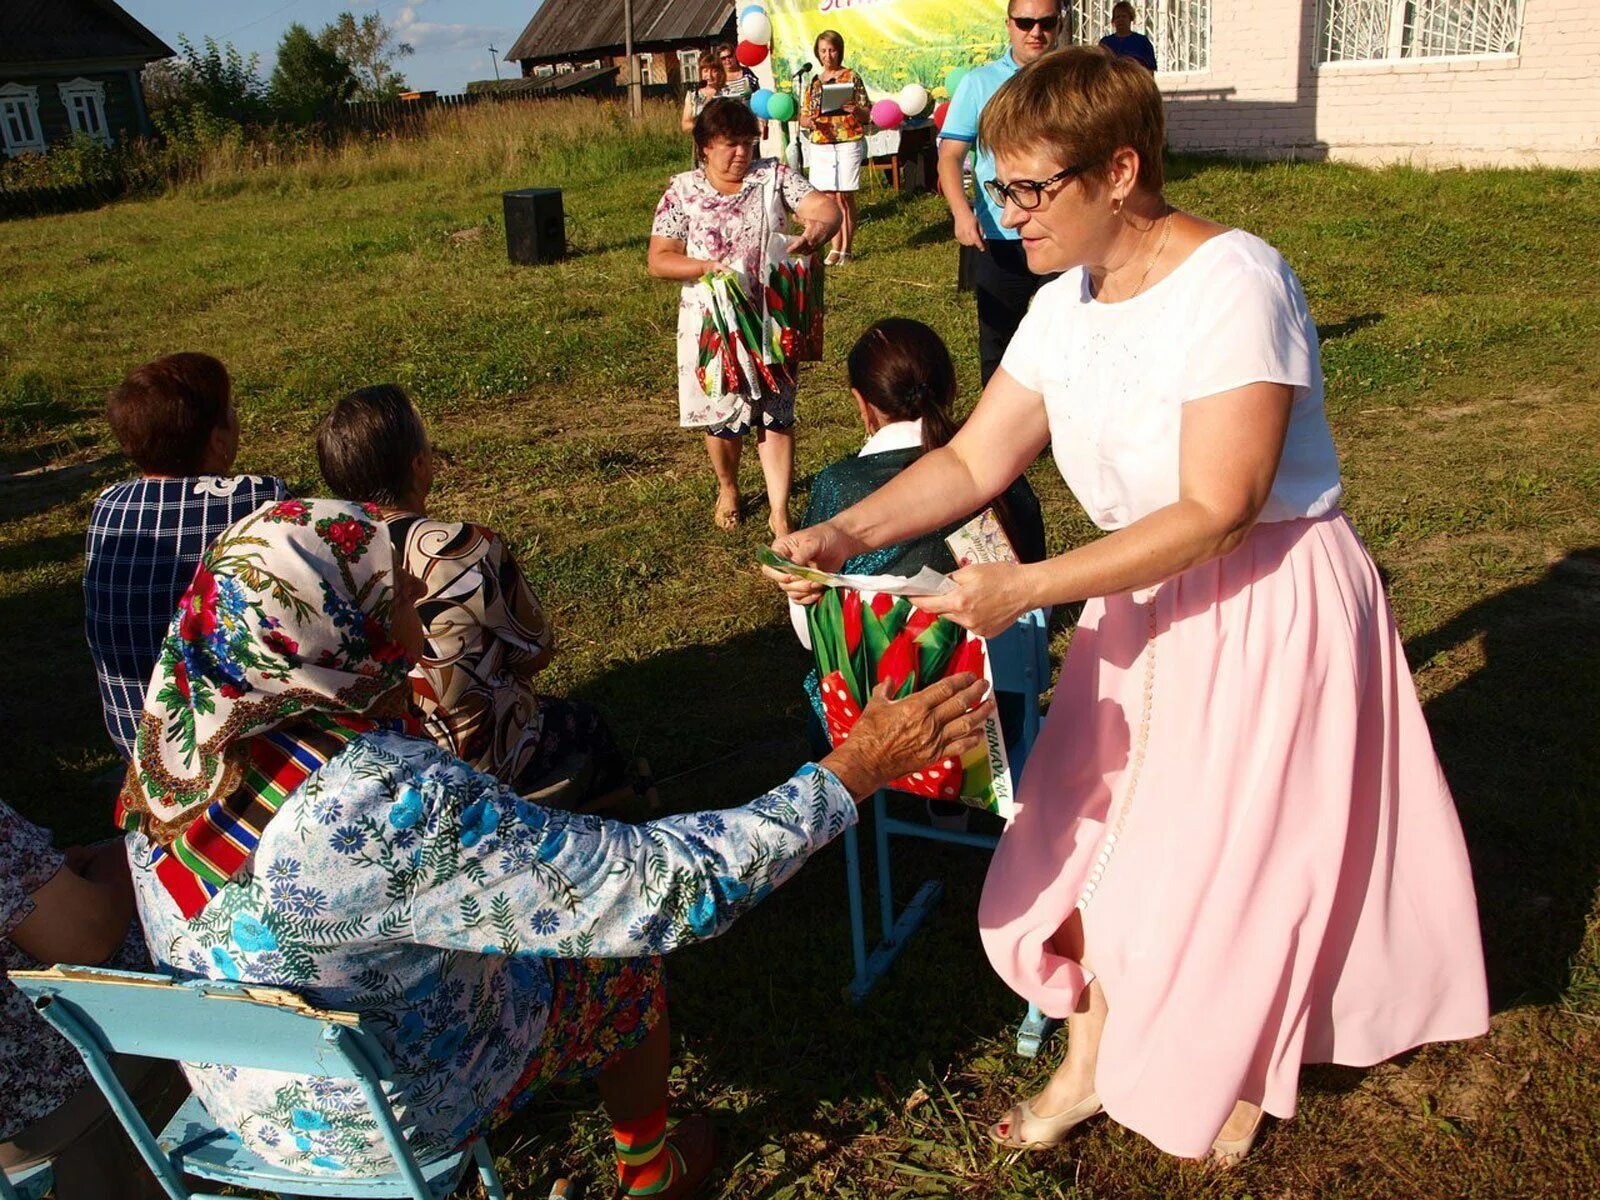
column 858, row 919
column 1034, row 1031
column 492, row 1187
column 880, row 831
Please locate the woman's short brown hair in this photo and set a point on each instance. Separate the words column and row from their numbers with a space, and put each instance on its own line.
column 1080, row 106
column 165, row 412
column 368, row 445
column 724, row 119
column 833, row 37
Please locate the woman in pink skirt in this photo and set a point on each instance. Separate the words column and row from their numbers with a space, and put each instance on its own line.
column 1234, row 851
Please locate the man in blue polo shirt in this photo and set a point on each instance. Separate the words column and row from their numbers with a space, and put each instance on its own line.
column 1003, row 283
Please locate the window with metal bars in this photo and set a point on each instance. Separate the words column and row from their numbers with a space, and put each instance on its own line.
column 1180, row 30
column 1379, row 30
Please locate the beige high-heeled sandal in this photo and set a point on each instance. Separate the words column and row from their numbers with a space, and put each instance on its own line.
column 1024, row 1129
column 1227, row 1153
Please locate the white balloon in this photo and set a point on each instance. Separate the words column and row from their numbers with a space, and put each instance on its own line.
column 913, row 99
column 756, row 27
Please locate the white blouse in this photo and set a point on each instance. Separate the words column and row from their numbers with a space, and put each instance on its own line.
column 1115, row 377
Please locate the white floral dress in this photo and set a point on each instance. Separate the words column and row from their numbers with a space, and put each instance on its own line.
column 736, row 229
column 400, row 884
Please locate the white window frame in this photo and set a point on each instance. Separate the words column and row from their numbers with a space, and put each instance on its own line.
column 1407, row 38
column 91, row 96
column 19, row 103
column 689, row 65
column 1180, row 30
column 647, row 68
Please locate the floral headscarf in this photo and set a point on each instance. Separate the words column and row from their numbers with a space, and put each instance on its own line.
column 279, row 653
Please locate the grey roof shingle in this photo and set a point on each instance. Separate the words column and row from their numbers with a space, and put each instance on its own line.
column 563, row 28
column 41, row 31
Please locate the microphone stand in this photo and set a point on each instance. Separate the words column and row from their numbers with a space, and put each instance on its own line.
column 796, row 156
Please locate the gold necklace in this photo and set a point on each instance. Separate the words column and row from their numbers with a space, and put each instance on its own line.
column 1166, row 232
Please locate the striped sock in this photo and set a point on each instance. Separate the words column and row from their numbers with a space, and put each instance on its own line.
column 647, row 1164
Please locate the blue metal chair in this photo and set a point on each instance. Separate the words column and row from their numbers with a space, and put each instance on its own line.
column 104, row 1012
column 27, row 1184
column 1020, row 662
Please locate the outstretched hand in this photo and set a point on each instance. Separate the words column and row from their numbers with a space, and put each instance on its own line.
column 822, row 546
column 893, row 737
column 987, row 598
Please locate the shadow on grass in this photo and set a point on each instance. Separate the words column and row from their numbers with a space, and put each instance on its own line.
column 1520, row 742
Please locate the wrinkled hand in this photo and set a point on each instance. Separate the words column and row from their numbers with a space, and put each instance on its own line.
column 892, row 737
column 987, row 598
column 968, row 231
column 713, row 265
column 822, row 546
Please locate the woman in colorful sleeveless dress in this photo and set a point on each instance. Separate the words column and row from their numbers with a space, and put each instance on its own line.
column 1234, row 850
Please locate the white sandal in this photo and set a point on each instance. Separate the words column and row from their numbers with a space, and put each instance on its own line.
column 1227, row 1153
column 1024, row 1129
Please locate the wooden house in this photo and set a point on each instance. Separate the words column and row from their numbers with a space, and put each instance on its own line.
column 566, row 36
column 71, row 67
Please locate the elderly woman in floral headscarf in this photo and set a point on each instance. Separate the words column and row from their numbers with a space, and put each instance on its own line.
column 291, row 832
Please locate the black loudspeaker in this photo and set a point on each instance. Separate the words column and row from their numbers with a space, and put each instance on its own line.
column 967, row 267
column 536, row 228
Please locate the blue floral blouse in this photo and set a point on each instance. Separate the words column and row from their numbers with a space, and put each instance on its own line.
column 400, row 884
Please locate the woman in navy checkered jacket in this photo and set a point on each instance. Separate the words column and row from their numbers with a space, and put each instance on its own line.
column 175, row 419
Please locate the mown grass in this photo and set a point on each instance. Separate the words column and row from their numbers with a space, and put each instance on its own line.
column 1459, row 317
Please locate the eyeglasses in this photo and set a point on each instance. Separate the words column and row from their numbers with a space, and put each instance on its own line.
column 1026, row 193
column 1026, row 24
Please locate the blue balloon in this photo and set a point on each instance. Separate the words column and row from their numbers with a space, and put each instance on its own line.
column 760, row 101
column 747, row 10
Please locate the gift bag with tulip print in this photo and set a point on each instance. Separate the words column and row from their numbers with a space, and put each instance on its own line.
column 730, row 360
column 860, row 638
column 792, row 331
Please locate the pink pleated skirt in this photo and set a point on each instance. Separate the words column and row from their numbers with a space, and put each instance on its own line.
column 1236, row 790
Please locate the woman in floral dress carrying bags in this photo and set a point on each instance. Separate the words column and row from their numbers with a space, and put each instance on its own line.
column 724, row 217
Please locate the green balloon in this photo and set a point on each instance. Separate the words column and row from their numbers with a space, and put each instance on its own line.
column 953, row 78
column 781, row 107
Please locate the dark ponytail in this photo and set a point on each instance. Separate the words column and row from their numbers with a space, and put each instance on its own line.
column 902, row 368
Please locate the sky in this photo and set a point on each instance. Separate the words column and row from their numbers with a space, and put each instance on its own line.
column 451, row 37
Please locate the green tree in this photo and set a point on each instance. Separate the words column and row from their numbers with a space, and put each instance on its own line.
column 368, row 47
column 210, row 81
column 309, row 82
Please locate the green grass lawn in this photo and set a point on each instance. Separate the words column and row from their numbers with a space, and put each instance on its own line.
column 1459, row 319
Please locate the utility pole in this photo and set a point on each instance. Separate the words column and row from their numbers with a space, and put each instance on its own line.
column 635, row 97
column 494, row 57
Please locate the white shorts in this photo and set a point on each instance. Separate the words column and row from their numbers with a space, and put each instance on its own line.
column 836, row 167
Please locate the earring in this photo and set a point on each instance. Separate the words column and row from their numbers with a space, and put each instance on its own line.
column 1116, row 206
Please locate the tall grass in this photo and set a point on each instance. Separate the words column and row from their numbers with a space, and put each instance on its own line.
column 568, row 138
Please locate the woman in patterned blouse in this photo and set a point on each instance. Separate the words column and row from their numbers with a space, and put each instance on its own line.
column 289, row 832
column 838, row 138
column 486, row 637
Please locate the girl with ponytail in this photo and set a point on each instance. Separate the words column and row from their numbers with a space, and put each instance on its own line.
column 904, row 386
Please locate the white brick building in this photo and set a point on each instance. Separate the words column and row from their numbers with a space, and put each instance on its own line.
column 1436, row 82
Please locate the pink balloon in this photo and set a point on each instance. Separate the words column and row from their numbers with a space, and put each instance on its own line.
column 887, row 114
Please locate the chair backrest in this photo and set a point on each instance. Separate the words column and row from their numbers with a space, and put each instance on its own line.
column 103, row 1012
column 1020, row 657
column 27, row 1184
column 205, row 1021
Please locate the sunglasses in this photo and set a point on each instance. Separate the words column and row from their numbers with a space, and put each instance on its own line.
column 1026, row 193
column 1026, row 24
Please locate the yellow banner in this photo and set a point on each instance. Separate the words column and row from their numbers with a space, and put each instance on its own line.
column 890, row 43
